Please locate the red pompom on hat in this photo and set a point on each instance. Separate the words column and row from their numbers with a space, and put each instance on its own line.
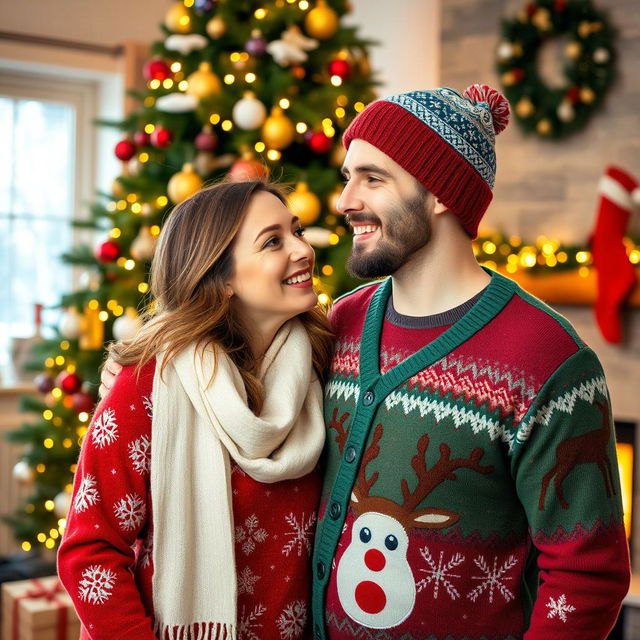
column 498, row 104
column 445, row 140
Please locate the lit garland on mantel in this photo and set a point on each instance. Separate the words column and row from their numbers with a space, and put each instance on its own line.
column 544, row 257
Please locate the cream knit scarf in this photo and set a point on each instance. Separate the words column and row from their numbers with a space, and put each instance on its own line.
column 196, row 430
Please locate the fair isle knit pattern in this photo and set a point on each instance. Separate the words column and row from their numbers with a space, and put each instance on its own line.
column 466, row 126
column 471, row 488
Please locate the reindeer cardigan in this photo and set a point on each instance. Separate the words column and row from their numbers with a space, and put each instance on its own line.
column 471, row 487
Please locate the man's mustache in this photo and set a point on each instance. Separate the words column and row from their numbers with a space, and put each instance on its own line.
column 361, row 218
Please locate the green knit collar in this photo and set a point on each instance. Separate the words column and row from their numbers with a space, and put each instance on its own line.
column 495, row 297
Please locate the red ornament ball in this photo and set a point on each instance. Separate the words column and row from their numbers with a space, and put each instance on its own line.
column 142, row 138
column 340, row 68
column 157, row 69
column 108, row 251
column 247, row 169
column 69, row 382
column 44, row 383
column 82, row 401
column 125, row 150
column 573, row 95
column 161, row 137
column 531, row 8
column 206, row 141
column 560, row 5
column 319, row 142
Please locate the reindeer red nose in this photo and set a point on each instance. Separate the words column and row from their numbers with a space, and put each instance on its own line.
column 374, row 560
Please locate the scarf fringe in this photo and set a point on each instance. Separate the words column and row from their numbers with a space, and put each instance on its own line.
column 195, row 631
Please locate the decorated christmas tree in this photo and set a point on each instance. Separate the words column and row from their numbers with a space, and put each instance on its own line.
column 236, row 89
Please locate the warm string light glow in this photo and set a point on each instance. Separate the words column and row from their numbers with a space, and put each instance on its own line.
column 545, row 254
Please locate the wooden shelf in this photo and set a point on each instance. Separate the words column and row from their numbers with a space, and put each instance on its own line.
column 567, row 287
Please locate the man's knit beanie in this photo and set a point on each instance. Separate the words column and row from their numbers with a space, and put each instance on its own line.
column 444, row 139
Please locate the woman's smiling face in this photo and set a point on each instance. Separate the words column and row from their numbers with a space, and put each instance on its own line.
column 272, row 264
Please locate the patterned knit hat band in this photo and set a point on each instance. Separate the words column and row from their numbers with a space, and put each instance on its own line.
column 445, row 140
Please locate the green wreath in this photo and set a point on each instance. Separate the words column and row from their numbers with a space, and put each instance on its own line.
column 588, row 70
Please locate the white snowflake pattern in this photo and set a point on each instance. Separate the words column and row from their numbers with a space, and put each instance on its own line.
column 440, row 573
column 248, row 623
column 247, row 580
column 97, row 584
column 87, row 494
column 559, row 608
column 130, row 511
column 292, row 621
column 140, row 454
column 300, row 534
column 250, row 535
column 148, row 405
column 105, row 429
column 493, row 578
column 146, row 551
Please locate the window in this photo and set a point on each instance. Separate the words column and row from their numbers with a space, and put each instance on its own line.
column 47, row 177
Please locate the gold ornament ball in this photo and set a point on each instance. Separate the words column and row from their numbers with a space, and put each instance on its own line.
column 573, row 50
column 304, row 204
column 542, row 19
column 178, row 18
column 203, row 82
column 116, row 189
column 205, row 162
column 584, row 29
column 543, row 127
column 339, row 153
column 184, row 184
column 508, row 78
column 216, row 28
column 333, row 197
column 525, row 108
column 278, row 132
column 321, row 22
column 587, row 95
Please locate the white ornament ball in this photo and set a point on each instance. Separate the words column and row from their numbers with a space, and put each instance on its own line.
column 144, row 245
column 23, row 473
column 566, row 112
column 601, row 55
column 61, row 504
column 70, row 324
column 317, row 236
column 127, row 326
column 89, row 280
column 176, row 103
column 249, row 113
column 505, row 51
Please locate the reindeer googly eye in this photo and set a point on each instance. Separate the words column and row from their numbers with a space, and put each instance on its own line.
column 391, row 542
column 365, row 534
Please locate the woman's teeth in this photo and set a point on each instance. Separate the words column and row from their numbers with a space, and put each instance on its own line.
column 303, row 277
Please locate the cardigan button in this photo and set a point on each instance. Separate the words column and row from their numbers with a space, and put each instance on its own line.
column 350, row 454
column 335, row 510
column 320, row 570
column 368, row 398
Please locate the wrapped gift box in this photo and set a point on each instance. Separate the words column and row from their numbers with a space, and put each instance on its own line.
column 38, row 609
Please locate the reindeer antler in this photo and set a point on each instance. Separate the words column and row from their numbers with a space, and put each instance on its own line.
column 443, row 469
column 338, row 425
column 363, row 485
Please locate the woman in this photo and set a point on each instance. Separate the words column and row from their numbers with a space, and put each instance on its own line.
column 188, row 529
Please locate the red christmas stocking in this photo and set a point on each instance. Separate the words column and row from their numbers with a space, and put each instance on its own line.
column 618, row 193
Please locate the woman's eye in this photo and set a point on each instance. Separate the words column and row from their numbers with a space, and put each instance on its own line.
column 271, row 242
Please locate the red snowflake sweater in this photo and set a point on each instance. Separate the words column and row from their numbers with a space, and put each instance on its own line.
column 105, row 559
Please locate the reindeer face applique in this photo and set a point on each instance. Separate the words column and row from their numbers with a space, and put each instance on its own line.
column 375, row 583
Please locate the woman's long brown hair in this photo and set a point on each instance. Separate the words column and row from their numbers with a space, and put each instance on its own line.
column 193, row 261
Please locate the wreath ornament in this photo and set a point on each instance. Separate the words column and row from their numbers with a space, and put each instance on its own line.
column 588, row 65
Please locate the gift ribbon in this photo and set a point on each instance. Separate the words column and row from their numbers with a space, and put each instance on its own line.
column 38, row 590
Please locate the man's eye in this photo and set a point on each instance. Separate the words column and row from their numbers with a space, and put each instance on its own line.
column 299, row 231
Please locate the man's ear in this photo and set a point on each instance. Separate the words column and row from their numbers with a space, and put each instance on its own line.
column 439, row 207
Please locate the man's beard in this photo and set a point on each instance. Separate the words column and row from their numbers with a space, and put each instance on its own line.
column 407, row 229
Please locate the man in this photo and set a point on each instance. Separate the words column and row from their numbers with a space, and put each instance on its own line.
column 471, row 486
